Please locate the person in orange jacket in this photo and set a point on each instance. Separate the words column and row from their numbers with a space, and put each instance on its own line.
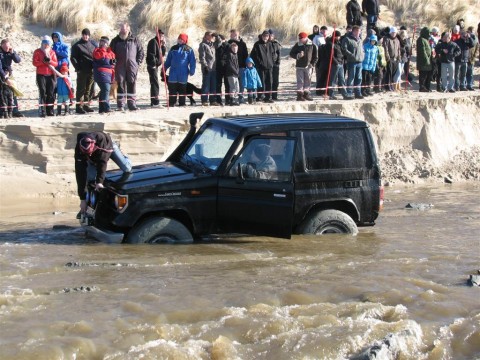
column 43, row 58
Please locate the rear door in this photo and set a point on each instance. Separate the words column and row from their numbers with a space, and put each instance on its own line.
column 256, row 195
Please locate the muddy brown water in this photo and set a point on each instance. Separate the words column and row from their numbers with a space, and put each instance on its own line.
column 397, row 290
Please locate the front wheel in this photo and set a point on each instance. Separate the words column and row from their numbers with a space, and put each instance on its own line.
column 328, row 222
column 159, row 230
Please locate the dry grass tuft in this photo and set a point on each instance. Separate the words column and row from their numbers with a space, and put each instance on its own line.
column 193, row 17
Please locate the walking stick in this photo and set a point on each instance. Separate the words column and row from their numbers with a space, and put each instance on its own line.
column 330, row 63
column 163, row 68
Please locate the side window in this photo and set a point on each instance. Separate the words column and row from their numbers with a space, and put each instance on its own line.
column 265, row 159
column 336, row 149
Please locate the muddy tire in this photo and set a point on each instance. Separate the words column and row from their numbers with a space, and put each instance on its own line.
column 159, row 230
column 328, row 222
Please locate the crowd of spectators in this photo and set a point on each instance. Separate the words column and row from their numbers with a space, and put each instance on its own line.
column 361, row 61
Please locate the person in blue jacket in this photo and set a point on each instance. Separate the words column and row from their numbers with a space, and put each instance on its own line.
column 181, row 62
column 369, row 64
column 251, row 80
column 61, row 49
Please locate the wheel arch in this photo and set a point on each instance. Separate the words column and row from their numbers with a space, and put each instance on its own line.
column 346, row 206
column 179, row 215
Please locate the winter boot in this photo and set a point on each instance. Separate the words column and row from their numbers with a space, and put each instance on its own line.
column 67, row 110
column 87, row 109
column 306, row 96
column 300, row 96
column 79, row 110
column 59, row 110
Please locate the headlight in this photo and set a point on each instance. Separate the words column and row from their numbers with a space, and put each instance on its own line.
column 121, row 202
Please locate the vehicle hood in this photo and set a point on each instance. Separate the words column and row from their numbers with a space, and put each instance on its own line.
column 148, row 175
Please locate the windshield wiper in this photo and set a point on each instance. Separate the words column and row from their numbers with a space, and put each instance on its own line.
column 196, row 163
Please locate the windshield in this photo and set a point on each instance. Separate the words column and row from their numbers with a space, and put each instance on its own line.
column 210, row 147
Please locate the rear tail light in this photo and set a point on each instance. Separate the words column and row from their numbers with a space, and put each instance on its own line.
column 382, row 197
column 121, row 202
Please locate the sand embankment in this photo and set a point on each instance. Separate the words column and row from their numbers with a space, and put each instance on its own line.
column 418, row 139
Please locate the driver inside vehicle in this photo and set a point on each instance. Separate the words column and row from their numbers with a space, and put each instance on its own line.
column 261, row 164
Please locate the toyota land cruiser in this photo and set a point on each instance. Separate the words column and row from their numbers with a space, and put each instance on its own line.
column 274, row 175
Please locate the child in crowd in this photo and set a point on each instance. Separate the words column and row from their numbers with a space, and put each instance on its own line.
column 380, row 70
column 369, row 64
column 251, row 79
column 231, row 72
column 64, row 90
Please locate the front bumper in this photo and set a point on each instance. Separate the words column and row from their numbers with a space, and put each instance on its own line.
column 105, row 236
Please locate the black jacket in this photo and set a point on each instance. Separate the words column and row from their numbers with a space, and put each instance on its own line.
column 262, row 54
column 99, row 158
column 153, row 53
column 242, row 52
column 221, row 52
column 276, row 52
column 310, row 54
column 231, row 64
column 82, row 55
column 452, row 51
column 338, row 57
column 354, row 13
column 465, row 45
column 370, row 7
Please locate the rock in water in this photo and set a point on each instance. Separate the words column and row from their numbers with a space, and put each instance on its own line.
column 418, row 206
column 474, row 280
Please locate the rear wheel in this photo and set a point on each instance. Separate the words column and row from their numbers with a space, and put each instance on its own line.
column 328, row 222
column 159, row 230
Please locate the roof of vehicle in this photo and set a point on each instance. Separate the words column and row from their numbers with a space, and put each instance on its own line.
column 291, row 120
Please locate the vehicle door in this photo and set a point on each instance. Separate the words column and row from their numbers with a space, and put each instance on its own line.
column 256, row 194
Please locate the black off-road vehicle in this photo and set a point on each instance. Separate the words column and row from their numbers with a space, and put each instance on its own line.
column 274, row 175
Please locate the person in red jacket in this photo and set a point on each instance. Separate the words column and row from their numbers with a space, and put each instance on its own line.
column 44, row 59
column 104, row 72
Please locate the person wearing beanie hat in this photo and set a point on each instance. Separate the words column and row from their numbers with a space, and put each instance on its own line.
column 263, row 54
column 93, row 150
column 82, row 61
column 156, row 51
column 129, row 54
column 103, row 73
column 305, row 53
column 45, row 61
column 456, row 33
column 182, row 63
column 47, row 40
column 183, row 37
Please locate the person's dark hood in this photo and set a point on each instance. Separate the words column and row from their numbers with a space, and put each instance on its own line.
column 425, row 33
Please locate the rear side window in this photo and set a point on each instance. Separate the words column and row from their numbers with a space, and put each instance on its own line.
column 336, row 149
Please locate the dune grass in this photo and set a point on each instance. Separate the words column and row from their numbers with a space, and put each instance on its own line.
column 195, row 16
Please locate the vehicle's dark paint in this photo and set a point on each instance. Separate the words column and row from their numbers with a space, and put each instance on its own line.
column 210, row 201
